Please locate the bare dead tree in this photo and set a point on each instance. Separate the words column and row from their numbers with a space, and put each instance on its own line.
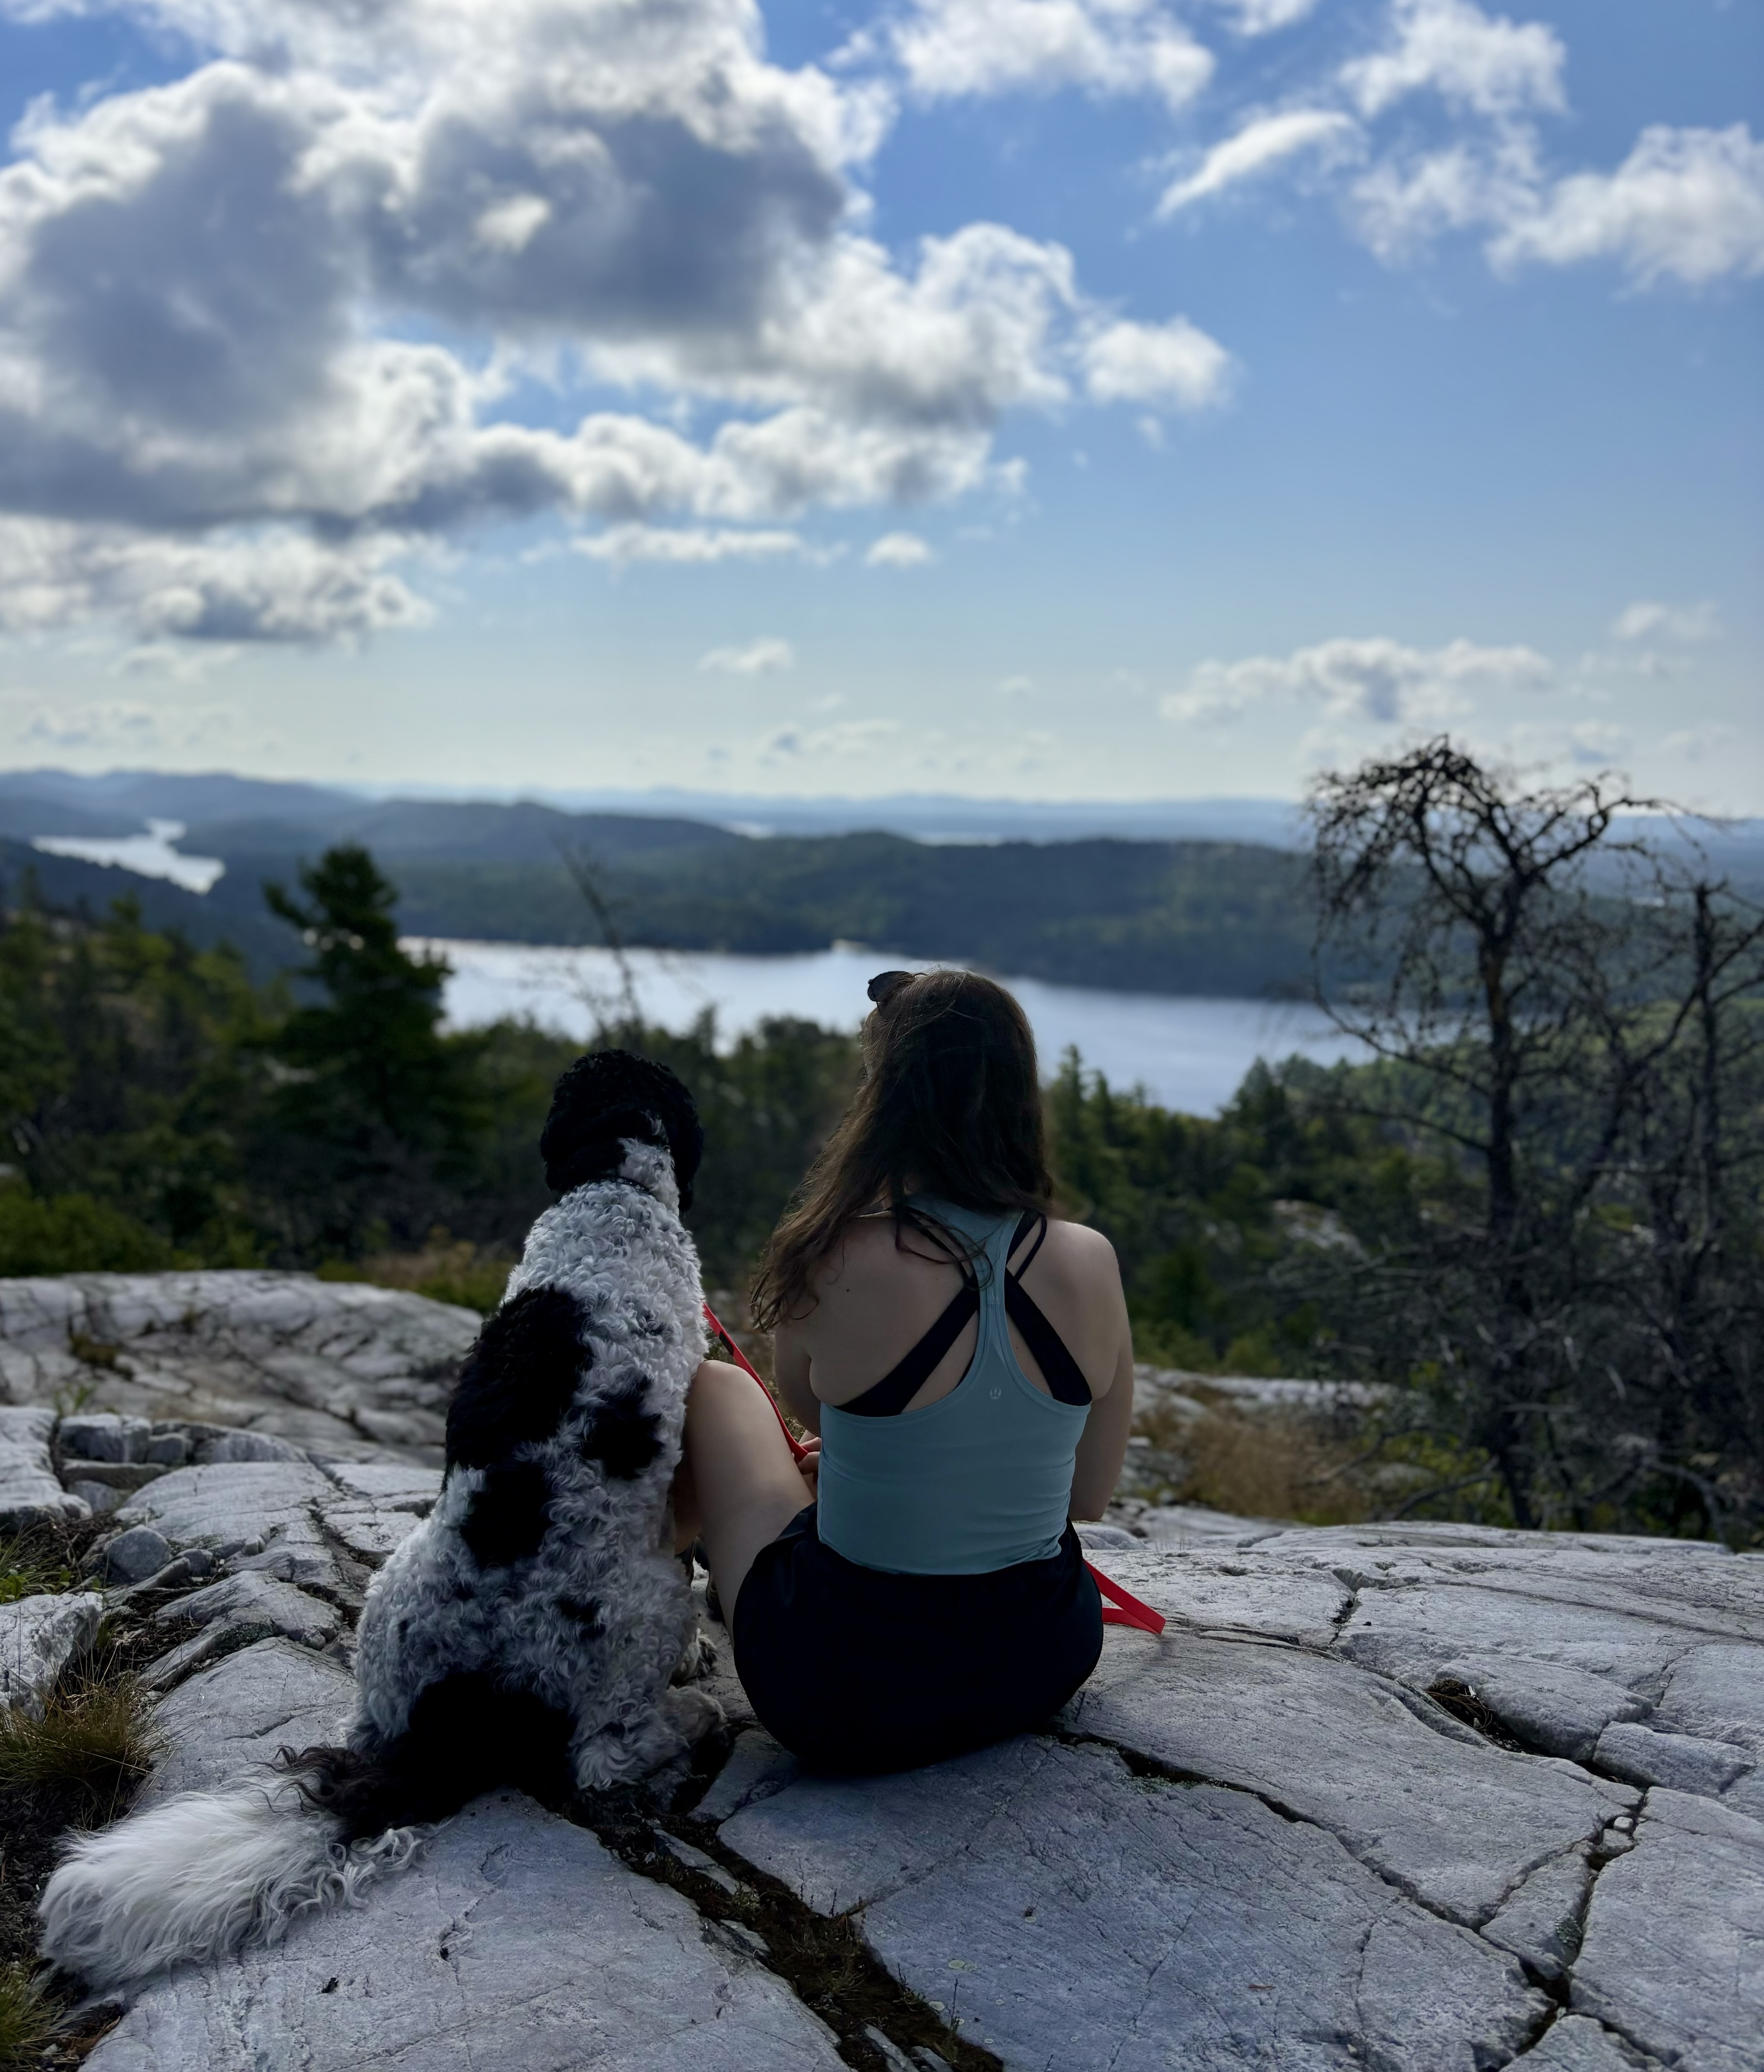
column 585, row 874
column 1568, row 1022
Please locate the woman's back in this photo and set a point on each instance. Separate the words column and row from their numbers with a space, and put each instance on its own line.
column 970, row 1459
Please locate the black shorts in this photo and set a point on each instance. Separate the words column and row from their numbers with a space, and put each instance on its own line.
column 855, row 1669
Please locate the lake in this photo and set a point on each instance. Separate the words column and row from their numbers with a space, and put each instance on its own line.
column 1189, row 1055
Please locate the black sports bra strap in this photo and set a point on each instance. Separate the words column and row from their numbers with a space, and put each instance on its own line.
column 890, row 1396
column 1064, row 1377
column 1029, row 1217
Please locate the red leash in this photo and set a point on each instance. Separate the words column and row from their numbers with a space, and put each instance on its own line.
column 1122, row 1609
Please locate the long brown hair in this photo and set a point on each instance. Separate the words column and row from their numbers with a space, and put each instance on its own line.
column 950, row 1098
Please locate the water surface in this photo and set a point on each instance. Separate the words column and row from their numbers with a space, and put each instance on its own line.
column 1189, row 1055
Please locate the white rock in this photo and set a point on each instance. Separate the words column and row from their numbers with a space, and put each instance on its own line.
column 1071, row 1918
column 339, row 1366
column 38, row 1637
column 1443, row 1815
column 1213, row 1591
column 391, row 1485
column 1541, row 1921
column 1573, row 2043
column 1671, row 1954
column 1717, row 1691
column 30, row 1493
column 758, row 1767
column 369, row 1534
column 1548, row 1705
column 235, row 1612
column 234, row 1507
column 227, row 1722
column 516, row 1941
column 1680, row 1761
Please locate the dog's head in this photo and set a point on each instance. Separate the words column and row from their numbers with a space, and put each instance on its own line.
column 607, row 1098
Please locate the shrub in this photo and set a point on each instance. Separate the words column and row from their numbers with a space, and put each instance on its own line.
column 74, row 1234
column 94, row 1738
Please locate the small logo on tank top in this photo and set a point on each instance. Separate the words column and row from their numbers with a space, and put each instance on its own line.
column 997, row 1393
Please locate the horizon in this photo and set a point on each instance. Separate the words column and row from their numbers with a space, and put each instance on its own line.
column 1049, row 400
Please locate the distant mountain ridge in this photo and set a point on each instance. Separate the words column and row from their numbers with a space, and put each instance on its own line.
column 1216, row 916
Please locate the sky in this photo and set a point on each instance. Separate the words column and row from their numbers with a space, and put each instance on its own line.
column 1077, row 399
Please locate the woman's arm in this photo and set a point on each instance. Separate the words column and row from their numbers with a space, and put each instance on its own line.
column 1104, row 1446
column 790, row 1372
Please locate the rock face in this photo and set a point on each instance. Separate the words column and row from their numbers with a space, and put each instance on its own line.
column 338, row 1368
column 30, row 1494
column 1256, row 1841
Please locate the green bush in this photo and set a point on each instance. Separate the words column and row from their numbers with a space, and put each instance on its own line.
column 75, row 1234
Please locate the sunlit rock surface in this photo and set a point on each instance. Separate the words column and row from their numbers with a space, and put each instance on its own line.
column 1255, row 1842
column 334, row 1366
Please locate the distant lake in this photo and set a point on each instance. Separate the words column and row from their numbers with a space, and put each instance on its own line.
column 1189, row 1055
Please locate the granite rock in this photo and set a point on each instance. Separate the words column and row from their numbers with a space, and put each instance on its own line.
column 134, row 1556
column 1576, row 2045
column 516, row 1941
column 1673, row 1957
column 104, row 1436
column 1214, row 1590
column 1683, row 1761
column 1071, row 1917
column 30, row 1491
column 227, row 1721
column 341, row 1367
column 38, row 1637
column 1717, row 1692
column 1547, row 1705
column 1449, row 1819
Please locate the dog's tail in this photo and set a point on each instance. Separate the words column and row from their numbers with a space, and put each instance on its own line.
column 203, row 1873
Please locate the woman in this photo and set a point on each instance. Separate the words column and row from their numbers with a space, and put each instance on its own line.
column 966, row 1365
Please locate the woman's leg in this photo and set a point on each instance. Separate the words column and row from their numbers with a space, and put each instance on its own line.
column 738, row 1487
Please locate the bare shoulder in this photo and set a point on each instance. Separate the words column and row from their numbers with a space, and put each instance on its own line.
column 1078, row 1250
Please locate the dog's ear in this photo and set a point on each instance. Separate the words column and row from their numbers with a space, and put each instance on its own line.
column 603, row 1099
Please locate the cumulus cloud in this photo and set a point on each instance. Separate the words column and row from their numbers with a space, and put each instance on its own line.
column 1258, row 146
column 1173, row 364
column 1648, row 621
column 270, row 583
column 759, row 658
column 1687, row 204
column 949, row 48
column 1485, row 63
column 1377, row 679
column 691, row 544
column 208, row 291
column 897, row 550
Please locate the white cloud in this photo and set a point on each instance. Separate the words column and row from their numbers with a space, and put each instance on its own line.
column 759, row 658
column 1484, row 63
column 897, row 550
column 1260, row 145
column 270, row 583
column 1173, row 364
column 692, row 544
column 850, row 738
column 1015, row 687
column 1686, row 203
column 1258, row 17
column 949, row 48
column 213, row 414
column 1376, row 679
column 1647, row 621
column 1403, row 203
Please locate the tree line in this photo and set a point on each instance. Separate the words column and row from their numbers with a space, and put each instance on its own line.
column 1531, row 1219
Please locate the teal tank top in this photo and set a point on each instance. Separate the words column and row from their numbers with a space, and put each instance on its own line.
column 979, row 1481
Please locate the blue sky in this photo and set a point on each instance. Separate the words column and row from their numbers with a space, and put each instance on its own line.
column 1060, row 398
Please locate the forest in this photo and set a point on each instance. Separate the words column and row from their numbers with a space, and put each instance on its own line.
column 1531, row 1223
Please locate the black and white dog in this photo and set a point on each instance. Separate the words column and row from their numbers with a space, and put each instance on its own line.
column 526, row 1633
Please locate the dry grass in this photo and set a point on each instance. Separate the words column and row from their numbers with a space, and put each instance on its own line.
column 1266, row 1463
column 447, row 1269
column 28, row 2017
column 94, row 1741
